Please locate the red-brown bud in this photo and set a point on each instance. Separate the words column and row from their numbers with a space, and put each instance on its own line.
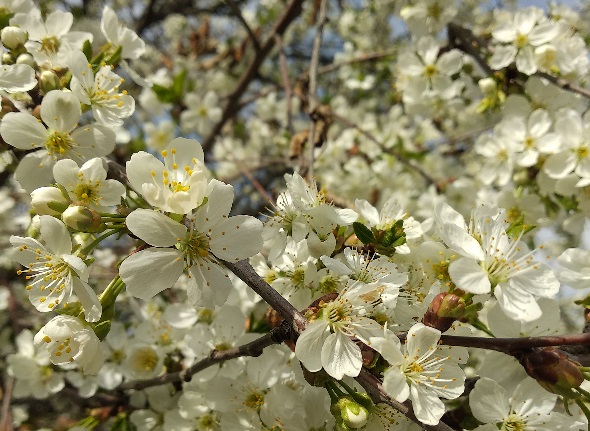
column 554, row 370
column 444, row 309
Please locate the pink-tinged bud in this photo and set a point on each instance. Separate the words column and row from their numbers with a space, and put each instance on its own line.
column 444, row 309
column 554, row 371
column 81, row 219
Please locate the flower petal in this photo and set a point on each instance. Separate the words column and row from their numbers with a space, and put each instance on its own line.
column 155, row 228
column 151, row 271
column 341, row 356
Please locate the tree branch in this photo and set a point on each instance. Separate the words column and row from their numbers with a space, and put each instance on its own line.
column 313, row 84
column 254, row 348
column 238, row 13
column 292, row 11
column 273, row 298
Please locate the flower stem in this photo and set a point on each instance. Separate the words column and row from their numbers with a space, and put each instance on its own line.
column 86, row 250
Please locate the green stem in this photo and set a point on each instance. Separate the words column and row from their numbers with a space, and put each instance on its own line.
column 584, row 409
column 583, row 392
column 86, row 250
column 112, row 291
column 110, row 215
column 329, row 386
column 348, row 389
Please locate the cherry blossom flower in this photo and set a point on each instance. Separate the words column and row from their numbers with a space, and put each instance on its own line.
column 528, row 29
column 59, row 139
column 494, row 262
column 101, row 92
column 422, row 372
column 87, row 185
column 53, row 273
column 177, row 185
column 68, row 341
column 530, row 408
column 210, row 235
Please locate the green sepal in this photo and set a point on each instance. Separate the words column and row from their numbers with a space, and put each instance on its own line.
column 585, row 302
column 115, row 57
column 71, row 309
column 87, row 49
column 363, row 233
column 518, row 228
column 103, row 326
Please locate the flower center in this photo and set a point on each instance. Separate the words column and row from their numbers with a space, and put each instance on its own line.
column 87, row 192
column 435, row 11
column 529, row 142
column 521, row 40
column 254, row 400
column 513, row 423
column 582, row 152
column 195, row 247
column 50, row 45
column 145, row 359
column 430, row 70
column 59, row 143
column 208, row 422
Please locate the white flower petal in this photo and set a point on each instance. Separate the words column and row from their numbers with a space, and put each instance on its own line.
column 151, row 271
column 309, row 345
column 468, row 275
column 236, row 238
column 60, row 110
column 155, row 228
column 489, row 402
column 341, row 356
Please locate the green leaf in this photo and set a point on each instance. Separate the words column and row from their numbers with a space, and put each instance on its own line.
column 363, row 233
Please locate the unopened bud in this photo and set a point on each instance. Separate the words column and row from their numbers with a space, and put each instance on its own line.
column 7, row 58
column 26, row 59
column 554, row 371
column 34, row 228
column 82, row 219
column 13, row 37
column 487, row 85
column 349, row 414
column 48, row 201
column 48, row 81
column 444, row 309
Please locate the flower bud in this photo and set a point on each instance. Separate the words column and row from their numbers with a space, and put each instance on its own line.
column 13, row 37
column 444, row 309
column 27, row 59
column 554, row 371
column 7, row 58
column 82, row 219
column 349, row 414
column 487, row 85
column 48, row 81
column 48, row 201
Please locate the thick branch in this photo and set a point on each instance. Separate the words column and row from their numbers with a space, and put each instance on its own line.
column 512, row 345
column 253, row 348
column 292, row 11
column 247, row 274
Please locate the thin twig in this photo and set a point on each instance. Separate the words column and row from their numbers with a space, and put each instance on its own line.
column 313, row 85
column 6, row 417
column 253, row 349
column 286, row 84
column 273, row 298
column 360, row 59
column 292, row 11
column 399, row 157
column 238, row 13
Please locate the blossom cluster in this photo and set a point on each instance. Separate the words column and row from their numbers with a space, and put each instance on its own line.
column 430, row 197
